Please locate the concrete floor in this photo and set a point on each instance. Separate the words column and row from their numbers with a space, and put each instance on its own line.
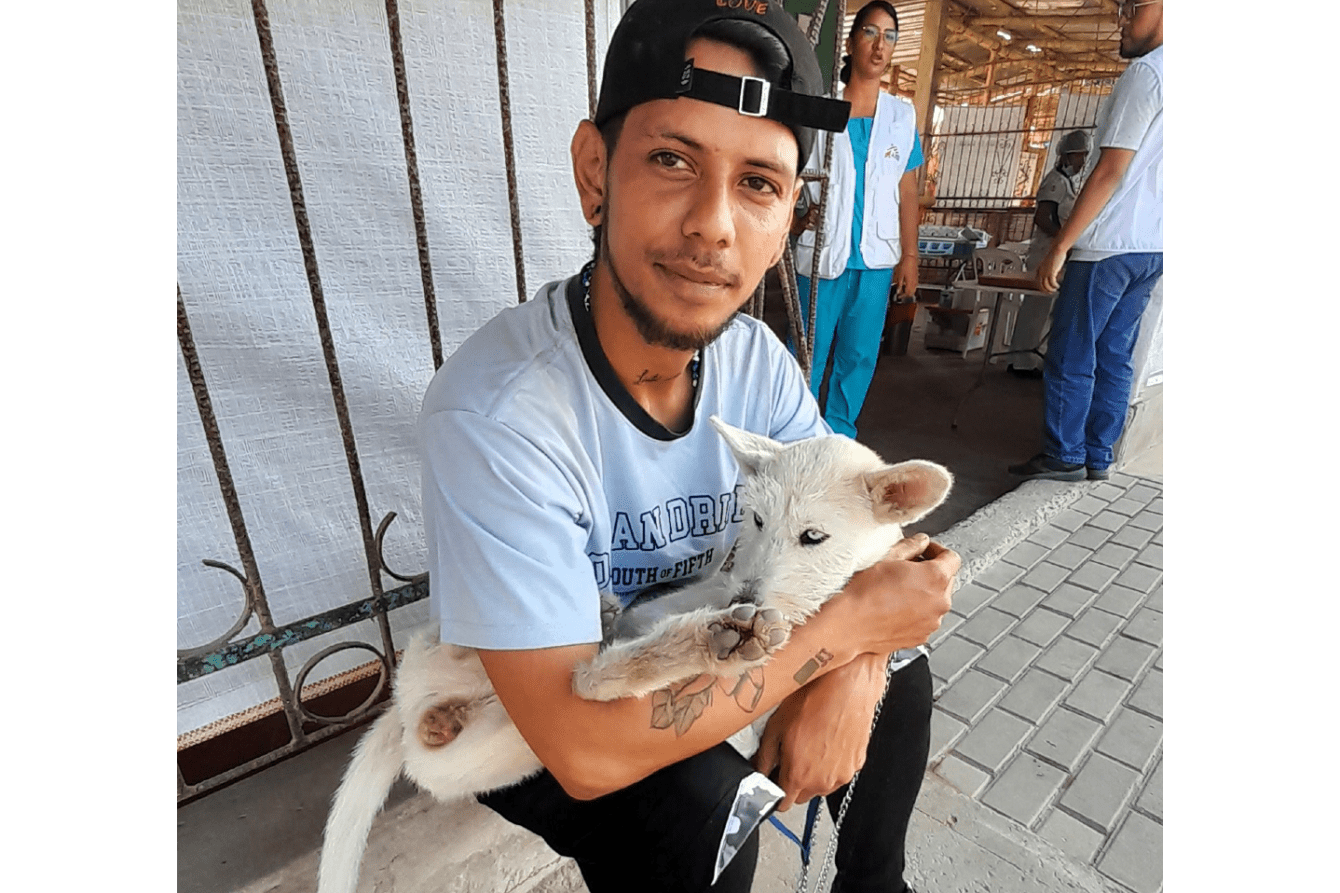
column 262, row 833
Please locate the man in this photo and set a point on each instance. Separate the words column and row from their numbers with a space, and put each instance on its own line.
column 567, row 453
column 1116, row 230
column 1055, row 200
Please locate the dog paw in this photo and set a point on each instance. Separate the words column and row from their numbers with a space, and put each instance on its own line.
column 441, row 723
column 746, row 635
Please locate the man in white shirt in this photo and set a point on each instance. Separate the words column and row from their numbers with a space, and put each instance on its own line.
column 1116, row 231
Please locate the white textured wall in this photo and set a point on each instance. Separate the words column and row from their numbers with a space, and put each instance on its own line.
column 240, row 270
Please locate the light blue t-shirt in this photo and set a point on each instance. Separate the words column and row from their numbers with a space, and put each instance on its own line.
column 546, row 485
column 858, row 133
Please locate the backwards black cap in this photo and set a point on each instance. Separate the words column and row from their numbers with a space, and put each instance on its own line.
column 645, row 61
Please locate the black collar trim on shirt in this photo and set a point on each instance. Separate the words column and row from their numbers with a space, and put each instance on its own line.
column 600, row 367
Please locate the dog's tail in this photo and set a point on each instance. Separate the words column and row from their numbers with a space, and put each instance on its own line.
column 376, row 763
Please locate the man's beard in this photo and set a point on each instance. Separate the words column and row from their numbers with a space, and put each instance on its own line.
column 655, row 330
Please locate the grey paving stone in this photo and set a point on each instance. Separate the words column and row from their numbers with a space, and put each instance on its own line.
column 1149, row 520
column 1100, row 791
column 1132, row 738
column 1092, row 575
column 1148, row 695
column 1151, row 555
column 1024, row 789
column 1109, row 521
column 1135, row 537
column 1126, row 657
column 1044, row 576
column 1122, row 479
column 1155, row 600
column 1018, row 599
column 948, row 624
column 1141, row 577
column 1098, row 694
column 1119, row 600
column 1071, row 836
column 967, row 778
column 969, row 597
column 1127, row 506
column 1069, row 599
column 994, row 739
column 1064, row 738
column 1107, row 491
column 1151, row 798
column 945, row 732
column 1145, row 493
column 1026, row 554
column 1156, row 505
column 998, row 576
column 1157, row 538
column 987, row 627
column 1067, row 658
column 1089, row 537
column 1008, row 658
column 1147, row 626
column 1034, row 695
column 1041, row 627
column 1069, row 556
column 1048, row 536
column 1070, row 519
column 952, row 656
column 1135, row 857
column 1114, row 555
column 1089, row 504
column 971, row 695
column 1095, row 626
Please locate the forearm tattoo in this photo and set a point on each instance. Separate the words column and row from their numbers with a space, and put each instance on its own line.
column 679, row 706
column 812, row 666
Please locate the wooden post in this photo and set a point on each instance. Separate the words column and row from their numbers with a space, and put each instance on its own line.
column 928, row 67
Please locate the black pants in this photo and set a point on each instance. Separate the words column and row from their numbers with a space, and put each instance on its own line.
column 661, row 834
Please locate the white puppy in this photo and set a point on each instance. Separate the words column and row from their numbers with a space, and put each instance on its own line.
column 816, row 512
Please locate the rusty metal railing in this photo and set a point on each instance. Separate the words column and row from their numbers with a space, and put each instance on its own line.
column 306, row 727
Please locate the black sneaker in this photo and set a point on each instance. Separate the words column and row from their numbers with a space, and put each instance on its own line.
column 1099, row 474
column 1044, row 468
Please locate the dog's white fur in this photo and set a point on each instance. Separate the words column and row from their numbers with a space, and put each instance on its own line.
column 816, row 511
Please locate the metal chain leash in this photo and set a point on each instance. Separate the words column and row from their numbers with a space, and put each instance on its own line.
column 830, row 852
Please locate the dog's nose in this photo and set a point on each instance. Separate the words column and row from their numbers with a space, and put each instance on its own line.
column 747, row 594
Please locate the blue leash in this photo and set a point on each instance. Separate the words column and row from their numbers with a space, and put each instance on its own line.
column 811, row 816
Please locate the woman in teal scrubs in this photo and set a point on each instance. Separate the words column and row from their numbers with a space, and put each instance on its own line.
column 870, row 244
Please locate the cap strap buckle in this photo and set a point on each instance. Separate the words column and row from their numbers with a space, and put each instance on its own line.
column 754, row 94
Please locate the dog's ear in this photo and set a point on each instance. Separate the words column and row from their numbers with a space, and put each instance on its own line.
column 751, row 450
column 908, row 491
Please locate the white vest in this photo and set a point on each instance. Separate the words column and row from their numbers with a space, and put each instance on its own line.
column 891, row 139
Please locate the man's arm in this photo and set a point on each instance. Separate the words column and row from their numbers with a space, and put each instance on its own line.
column 593, row 748
column 1095, row 195
column 1047, row 217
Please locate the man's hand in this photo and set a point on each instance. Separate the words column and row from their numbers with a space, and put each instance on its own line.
column 817, row 739
column 903, row 600
column 905, row 276
column 1048, row 273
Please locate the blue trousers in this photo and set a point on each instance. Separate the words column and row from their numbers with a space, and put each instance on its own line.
column 849, row 324
column 1088, row 373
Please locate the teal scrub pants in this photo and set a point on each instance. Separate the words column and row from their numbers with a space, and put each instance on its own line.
column 849, row 325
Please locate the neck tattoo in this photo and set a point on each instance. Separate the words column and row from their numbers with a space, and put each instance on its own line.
column 694, row 364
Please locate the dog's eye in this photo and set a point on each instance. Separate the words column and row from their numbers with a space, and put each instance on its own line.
column 812, row 537
column 758, row 522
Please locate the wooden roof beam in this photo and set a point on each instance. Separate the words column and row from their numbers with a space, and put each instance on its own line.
column 1049, row 21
